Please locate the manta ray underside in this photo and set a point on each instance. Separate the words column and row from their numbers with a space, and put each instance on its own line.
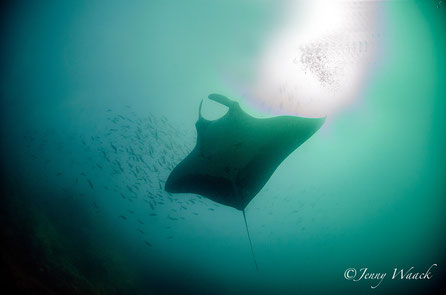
column 236, row 155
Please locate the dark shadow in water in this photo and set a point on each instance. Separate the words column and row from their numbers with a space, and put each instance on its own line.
column 53, row 244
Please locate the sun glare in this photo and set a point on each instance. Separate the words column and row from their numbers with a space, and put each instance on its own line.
column 318, row 60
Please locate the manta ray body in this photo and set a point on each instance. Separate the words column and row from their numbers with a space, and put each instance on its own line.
column 235, row 155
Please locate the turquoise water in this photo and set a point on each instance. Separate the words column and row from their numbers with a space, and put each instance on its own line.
column 99, row 102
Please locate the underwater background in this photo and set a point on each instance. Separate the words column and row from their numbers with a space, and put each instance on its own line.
column 98, row 104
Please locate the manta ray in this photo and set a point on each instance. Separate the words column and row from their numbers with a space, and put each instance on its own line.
column 236, row 155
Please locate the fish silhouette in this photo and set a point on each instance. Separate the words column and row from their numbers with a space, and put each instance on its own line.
column 235, row 155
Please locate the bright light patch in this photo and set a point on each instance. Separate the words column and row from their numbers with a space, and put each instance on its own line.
column 318, row 60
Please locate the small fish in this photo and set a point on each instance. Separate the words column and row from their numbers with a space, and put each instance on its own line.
column 153, row 214
column 148, row 244
column 122, row 216
column 114, row 147
column 90, row 183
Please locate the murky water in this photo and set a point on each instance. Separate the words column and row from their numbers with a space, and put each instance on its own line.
column 99, row 102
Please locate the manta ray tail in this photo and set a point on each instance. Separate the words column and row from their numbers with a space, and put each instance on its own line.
column 249, row 238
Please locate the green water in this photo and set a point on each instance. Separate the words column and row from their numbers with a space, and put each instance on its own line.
column 367, row 190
